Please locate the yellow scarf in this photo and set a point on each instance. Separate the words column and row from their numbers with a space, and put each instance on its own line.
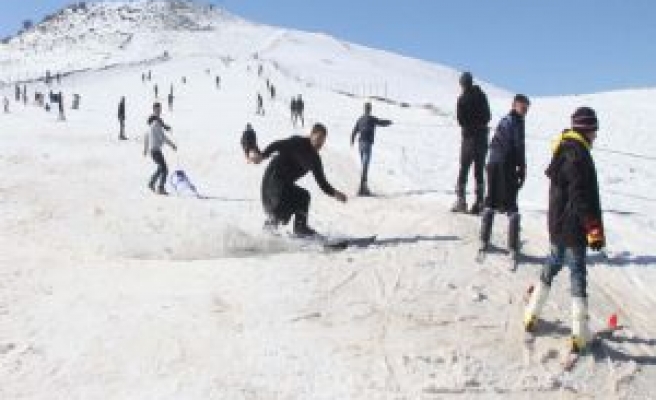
column 570, row 134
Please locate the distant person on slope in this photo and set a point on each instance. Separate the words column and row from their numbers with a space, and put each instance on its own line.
column 506, row 173
column 575, row 222
column 260, row 105
column 249, row 143
column 5, row 102
column 121, row 119
column 300, row 109
column 473, row 116
column 62, row 116
column 366, row 128
column 281, row 197
column 155, row 140
column 293, row 108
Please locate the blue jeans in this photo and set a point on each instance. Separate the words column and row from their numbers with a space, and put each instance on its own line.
column 365, row 156
column 575, row 257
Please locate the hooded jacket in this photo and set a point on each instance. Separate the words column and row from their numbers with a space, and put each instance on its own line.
column 574, row 201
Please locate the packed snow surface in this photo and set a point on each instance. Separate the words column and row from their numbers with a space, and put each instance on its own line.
column 110, row 291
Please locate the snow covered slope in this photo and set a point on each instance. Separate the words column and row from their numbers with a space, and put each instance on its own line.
column 109, row 33
column 109, row 291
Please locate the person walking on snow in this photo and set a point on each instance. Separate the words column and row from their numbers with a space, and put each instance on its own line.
column 293, row 108
column 575, row 222
column 281, row 197
column 5, row 102
column 300, row 109
column 366, row 128
column 473, row 111
column 155, row 140
column 260, row 105
column 506, row 173
column 121, row 119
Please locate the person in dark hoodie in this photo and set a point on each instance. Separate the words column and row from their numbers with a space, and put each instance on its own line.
column 575, row 222
column 366, row 128
column 281, row 197
column 473, row 111
column 506, row 173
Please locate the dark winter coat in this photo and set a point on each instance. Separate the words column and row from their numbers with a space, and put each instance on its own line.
column 473, row 111
column 574, row 191
column 366, row 127
column 295, row 158
column 506, row 168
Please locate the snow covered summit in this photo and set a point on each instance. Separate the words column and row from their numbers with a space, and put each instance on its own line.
column 87, row 36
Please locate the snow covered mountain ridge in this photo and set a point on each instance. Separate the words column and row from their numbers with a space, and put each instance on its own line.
column 94, row 35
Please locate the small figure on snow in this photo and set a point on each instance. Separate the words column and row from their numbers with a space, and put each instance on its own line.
column 155, row 140
column 366, row 128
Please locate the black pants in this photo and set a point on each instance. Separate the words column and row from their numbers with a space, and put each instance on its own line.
column 162, row 169
column 473, row 151
column 282, row 201
column 122, row 127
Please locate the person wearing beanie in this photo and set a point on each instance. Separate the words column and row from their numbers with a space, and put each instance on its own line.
column 575, row 222
column 473, row 112
column 282, row 198
column 506, row 173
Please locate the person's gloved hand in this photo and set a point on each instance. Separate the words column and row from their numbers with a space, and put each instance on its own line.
column 595, row 235
column 521, row 176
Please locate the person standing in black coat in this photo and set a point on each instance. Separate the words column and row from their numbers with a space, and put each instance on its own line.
column 474, row 116
column 506, row 173
column 121, row 119
column 366, row 128
column 281, row 197
column 575, row 222
column 293, row 108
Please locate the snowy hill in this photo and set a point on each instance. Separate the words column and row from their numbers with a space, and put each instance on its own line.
column 108, row 291
column 110, row 33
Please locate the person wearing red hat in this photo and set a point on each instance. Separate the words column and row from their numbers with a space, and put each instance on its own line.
column 575, row 222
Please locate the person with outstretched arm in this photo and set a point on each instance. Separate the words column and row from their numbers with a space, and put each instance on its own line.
column 281, row 197
column 366, row 128
column 155, row 140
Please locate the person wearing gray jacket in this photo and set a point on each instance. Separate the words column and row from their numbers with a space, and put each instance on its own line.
column 155, row 140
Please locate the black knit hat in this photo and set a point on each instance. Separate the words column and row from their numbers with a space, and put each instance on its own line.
column 466, row 79
column 584, row 119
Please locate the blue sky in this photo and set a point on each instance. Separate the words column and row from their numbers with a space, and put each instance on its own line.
column 539, row 47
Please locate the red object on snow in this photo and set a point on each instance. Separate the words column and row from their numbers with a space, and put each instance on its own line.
column 612, row 321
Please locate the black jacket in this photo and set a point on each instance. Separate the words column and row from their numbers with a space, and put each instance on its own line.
column 506, row 168
column 366, row 127
column 296, row 157
column 507, row 145
column 574, row 191
column 473, row 111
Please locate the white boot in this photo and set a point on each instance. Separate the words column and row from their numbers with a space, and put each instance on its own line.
column 535, row 304
column 580, row 329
